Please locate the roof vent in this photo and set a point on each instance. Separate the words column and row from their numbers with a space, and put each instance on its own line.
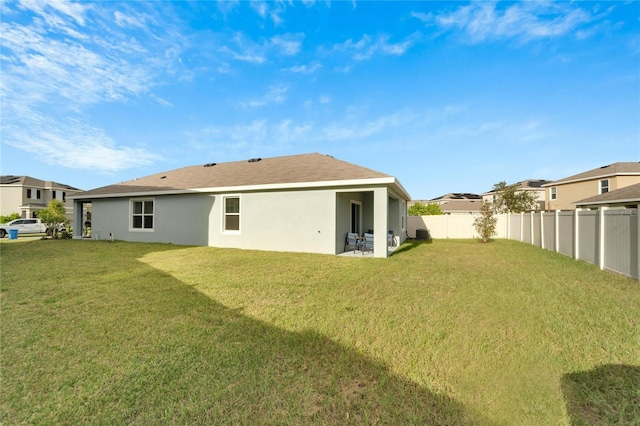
column 254, row 160
column 210, row 164
column 163, row 177
column 604, row 167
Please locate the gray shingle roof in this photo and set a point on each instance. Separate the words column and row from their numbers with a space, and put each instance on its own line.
column 30, row 181
column 627, row 194
column 525, row 184
column 458, row 196
column 622, row 168
column 461, row 206
column 304, row 168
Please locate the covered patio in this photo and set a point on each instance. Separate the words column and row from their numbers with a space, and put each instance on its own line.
column 378, row 211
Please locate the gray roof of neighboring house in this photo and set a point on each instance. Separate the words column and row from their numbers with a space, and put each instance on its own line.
column 36, row 183
column 526, row 184
column 458, row 196
column 627, row 194
column 622, row 168
column 276, row 171
column 461, row 206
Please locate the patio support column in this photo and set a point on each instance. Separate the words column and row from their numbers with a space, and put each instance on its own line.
column 78, row 206
column 380, row 221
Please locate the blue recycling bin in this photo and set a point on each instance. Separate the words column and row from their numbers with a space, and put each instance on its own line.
column 13, row 234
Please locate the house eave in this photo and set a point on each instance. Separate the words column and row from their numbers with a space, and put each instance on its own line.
column 609, row 175
column 252, row 188
column 620, row 201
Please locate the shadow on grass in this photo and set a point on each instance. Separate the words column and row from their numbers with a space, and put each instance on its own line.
column 606, row 395
column 412, row 244
column 131, row 344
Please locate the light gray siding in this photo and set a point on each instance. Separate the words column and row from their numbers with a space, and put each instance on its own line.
column 178, row 219
column 297, row 221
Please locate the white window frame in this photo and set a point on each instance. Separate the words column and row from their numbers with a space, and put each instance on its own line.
column 224, row 214
column 553, row 193
column 143, row 214
column 601, row 186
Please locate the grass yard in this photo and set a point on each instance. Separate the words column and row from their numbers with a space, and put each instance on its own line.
column 453, row 332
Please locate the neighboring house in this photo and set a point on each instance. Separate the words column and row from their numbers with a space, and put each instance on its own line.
column 564, row 193
column 459, row 203
column 535, row 186
column 26, row 195
column 300, row 203
column 623, row 198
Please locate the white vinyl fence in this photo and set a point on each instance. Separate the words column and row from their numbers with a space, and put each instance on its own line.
column 607, row 238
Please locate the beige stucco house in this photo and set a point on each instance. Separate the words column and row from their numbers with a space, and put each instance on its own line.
column 564, row 193
column 623, row 198
column 533, row 186
column 300, row 203
column 27, row 195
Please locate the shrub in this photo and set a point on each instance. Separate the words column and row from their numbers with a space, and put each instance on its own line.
column 485, row 224
column 420, row 209
column 8, row 218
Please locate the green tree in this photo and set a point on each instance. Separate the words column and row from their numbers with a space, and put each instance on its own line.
column 420, row 209
column 511, row 199
column 485, row 224
column 53, row 216
column 8, row 218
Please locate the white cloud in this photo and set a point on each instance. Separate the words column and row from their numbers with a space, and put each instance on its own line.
column 275, row 95
column 353, row 128
column 368, row 46
column 258, row 137
column 247, row 50
column 305, row 69
column 60, row 58
column 525, row 21
column 275, row 13
column 47, row 10
column 125, row 20
column 288, row 44
column 72, row 143
column 260, row 7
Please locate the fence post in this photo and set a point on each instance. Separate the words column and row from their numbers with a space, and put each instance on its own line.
column 576, row 232
column 521, row 226
column 508, row 225
column 542, row 230
column 556, row 224
column 601, row 237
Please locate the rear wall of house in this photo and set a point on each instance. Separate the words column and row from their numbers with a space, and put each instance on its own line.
column 297, row 221
column 576, row 191
column 178, row 219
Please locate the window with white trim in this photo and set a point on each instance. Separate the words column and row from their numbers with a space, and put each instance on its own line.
column 604, row 186
column 231, row 214
column 553, row 193
column 142, row 212
column 33, row 194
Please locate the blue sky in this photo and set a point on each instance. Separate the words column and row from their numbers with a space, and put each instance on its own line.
column 446, row 96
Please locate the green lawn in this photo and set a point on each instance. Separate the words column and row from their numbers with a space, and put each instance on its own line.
column 453, row 332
